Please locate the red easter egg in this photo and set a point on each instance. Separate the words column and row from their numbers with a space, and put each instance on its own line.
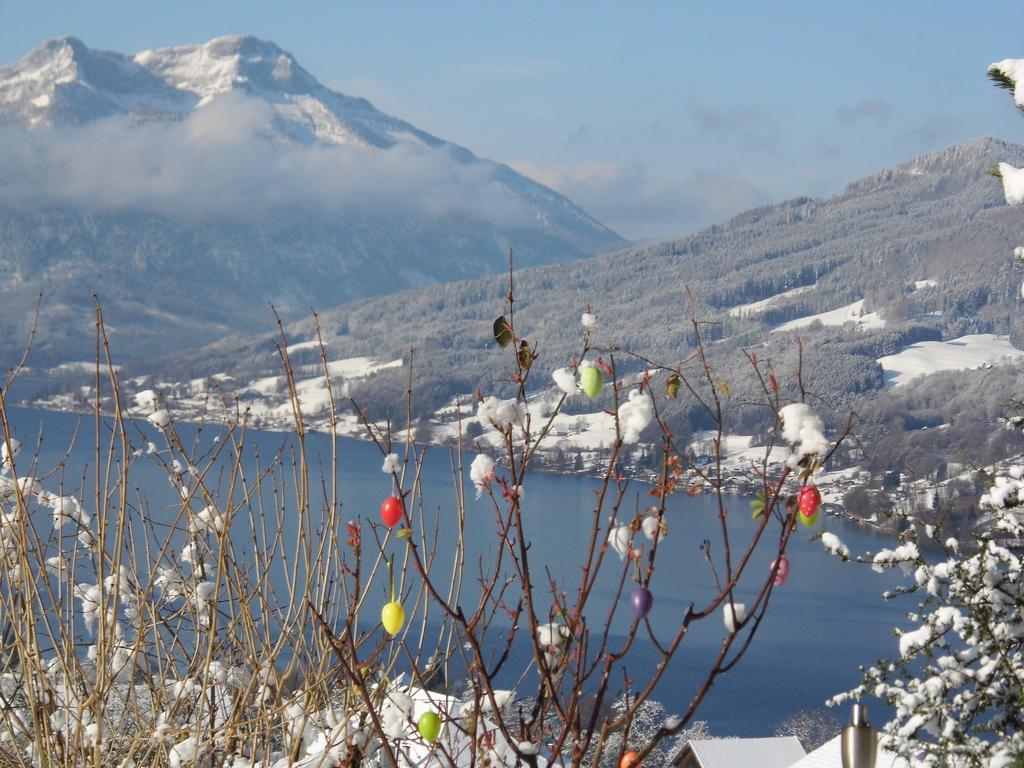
column 630, row 759
column 391, row 511
column 808, row 501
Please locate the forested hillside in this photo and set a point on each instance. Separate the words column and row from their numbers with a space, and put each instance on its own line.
column 924, row 245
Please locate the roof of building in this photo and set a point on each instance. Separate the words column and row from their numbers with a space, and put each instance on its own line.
column 774, row 752
column 829, row 755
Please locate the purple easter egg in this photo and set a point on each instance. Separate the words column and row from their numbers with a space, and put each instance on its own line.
column 641, row 601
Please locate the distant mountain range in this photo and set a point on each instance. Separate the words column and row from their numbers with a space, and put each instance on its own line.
column 189, row 186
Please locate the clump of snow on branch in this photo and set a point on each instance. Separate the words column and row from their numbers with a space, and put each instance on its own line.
column 552, row 634
column 733, row 615
column 500, row 413
column 1013, row 183
column 804, row 431
column 208, row 520
column 565, row 380
column 588, row 320
column 390, row 463
column 1013, row 70
column 620, row 539
column 6, row 454
column 634, row 415
column 481, row 472
column 654, row 526
column 148, row 402
column 1005, row 491
column 835, row 545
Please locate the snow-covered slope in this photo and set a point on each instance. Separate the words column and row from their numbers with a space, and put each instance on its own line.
column 965, row 353
column 851, row 313
column 191, row 185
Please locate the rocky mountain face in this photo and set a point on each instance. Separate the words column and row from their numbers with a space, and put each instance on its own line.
column 190, row 186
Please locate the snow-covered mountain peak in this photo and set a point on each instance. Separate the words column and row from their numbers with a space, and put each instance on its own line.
column 63, row 82
column 229, row 63
column 176, row 171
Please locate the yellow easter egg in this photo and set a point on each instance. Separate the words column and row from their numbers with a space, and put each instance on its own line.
column 392, row 616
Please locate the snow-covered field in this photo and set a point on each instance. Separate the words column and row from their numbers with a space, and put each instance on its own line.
column 851, row 313
column 965, row 353
column 738, row 451
column 757, row 307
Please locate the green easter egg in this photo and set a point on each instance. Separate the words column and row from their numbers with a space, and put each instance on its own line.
column 808, row 520
column 591, row 381
column 430, row 726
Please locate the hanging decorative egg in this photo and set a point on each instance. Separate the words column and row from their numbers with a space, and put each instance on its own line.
column 630, row 759
column 429, row 726
column 782, row 574
column 591, row 381
column 808, row 521
column 392, row 616
column 391, row 511
column 641, row 601
column 809, row 500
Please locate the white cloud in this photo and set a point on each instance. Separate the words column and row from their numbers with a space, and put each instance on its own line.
column 639, row 203
column 228, row 158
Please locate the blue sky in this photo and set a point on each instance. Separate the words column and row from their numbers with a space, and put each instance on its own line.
column 658, row 117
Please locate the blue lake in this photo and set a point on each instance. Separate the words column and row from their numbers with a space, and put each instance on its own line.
column 828, row 619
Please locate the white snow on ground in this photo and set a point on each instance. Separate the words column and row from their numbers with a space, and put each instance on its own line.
column 757, row 307
column 738, row 451
column 966, row 353
column 302, row 345
column 86, row 366
column 920, row 285
column 851, row 313
column 266, row 399
column 359, row 367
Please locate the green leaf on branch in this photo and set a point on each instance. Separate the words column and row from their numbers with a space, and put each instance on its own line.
column 526, row 357
column 403, row 533
column 757, row 506
column 725, row 388
column 502, row 331
column 672, row 386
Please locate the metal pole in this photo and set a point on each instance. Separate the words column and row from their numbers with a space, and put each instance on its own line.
column 859, row 741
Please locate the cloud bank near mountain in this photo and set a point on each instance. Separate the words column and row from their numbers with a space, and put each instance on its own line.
column 227, row 159
column 643, row 203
